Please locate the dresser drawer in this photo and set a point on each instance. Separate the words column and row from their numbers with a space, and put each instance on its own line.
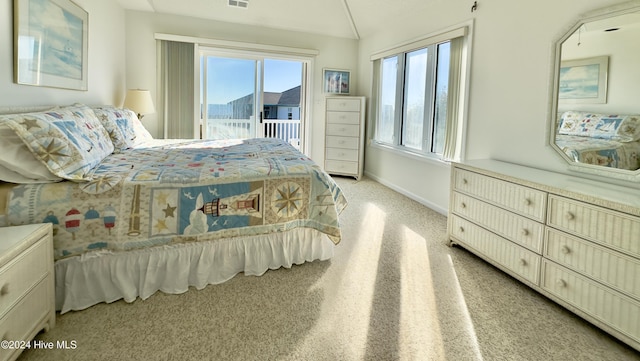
column 613, row 309
column 347, row 130
column 348, row 105
column 518, row 260
column 341, row 166
column 343, row 117
column 333, row 141
column 602, row 264
column 22, row 273
column 516, row 198
column 342, row 154
column 19, row 323
column 522, row 230
column 613, row 229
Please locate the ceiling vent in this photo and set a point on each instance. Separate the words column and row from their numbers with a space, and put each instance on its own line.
column 239, row 3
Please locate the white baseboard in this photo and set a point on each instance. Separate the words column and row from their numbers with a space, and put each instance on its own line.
column 408, row 194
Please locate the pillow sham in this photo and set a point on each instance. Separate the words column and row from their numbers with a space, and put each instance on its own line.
column 91, row 126
column 623, row 128
column 69, row 141
column 119, row 125
column 124, row 127
column 17, row 163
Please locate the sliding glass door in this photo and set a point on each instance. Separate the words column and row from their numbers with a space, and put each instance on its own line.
column 282, row 100
column 229, row 97
column 247, row 95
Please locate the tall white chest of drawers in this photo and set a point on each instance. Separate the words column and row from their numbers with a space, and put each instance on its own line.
column 574, row 240
column 344, row 139
column 27, row 300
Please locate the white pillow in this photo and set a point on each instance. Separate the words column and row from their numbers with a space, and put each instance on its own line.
column 17, row 163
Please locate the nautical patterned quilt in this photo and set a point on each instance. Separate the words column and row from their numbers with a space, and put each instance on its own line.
column 602, row 152
column 183, row 192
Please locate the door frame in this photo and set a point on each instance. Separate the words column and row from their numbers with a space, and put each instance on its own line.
column 248, row 52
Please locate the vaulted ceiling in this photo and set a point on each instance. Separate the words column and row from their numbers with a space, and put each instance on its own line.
column 341, row 18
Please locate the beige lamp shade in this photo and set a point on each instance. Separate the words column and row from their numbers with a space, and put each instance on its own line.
column 139, row 101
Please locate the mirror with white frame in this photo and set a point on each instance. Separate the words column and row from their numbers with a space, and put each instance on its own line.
column 594, row 116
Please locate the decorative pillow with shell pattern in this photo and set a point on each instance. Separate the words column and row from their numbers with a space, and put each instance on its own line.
column 623, row 128
column 69, row 141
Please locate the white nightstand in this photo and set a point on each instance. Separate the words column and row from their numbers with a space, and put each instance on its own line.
column 27, row 294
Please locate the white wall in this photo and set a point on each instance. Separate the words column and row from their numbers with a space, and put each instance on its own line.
column 106, row 61
column 141, row 56
column 509, row 86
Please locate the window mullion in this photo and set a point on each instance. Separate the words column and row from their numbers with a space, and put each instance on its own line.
column 429, row 98
column 399, row 115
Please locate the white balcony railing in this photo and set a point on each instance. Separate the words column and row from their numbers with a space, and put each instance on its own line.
column 287, row 130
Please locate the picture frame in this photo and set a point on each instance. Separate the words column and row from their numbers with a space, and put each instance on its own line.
column 584, row 80
column 336, row 81
column 50, row 43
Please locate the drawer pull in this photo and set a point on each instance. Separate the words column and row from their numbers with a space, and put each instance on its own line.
column 4, row 290
column 465, row 181
column 461, row 229
column 463, row 205
column 561, row 283
column 523, row 262
column 569, row 216
column 525, row 232
column 527, row 202
column 565, row 250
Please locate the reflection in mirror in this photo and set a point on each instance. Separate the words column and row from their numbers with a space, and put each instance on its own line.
column 596, row 106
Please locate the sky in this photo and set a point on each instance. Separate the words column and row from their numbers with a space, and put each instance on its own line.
column 229, row 79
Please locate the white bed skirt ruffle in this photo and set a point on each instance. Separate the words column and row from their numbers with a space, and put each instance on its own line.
column 92, row 278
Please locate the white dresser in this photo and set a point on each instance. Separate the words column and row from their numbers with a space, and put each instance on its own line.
column 574, row 240
column 27, row 299
column 344, row 140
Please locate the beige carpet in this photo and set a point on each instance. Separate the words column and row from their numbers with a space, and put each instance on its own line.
column 393, row 291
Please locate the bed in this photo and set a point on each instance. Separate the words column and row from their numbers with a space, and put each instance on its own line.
column 599, row 139
column 602, row 152
column 133, row 215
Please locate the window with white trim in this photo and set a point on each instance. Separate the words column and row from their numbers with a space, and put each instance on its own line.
column 417, row 95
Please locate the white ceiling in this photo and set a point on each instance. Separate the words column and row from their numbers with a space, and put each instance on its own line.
column 341, row 18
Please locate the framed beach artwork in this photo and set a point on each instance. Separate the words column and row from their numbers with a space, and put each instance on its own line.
column 50, row 43
column 584, row 80
column 336, row 81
